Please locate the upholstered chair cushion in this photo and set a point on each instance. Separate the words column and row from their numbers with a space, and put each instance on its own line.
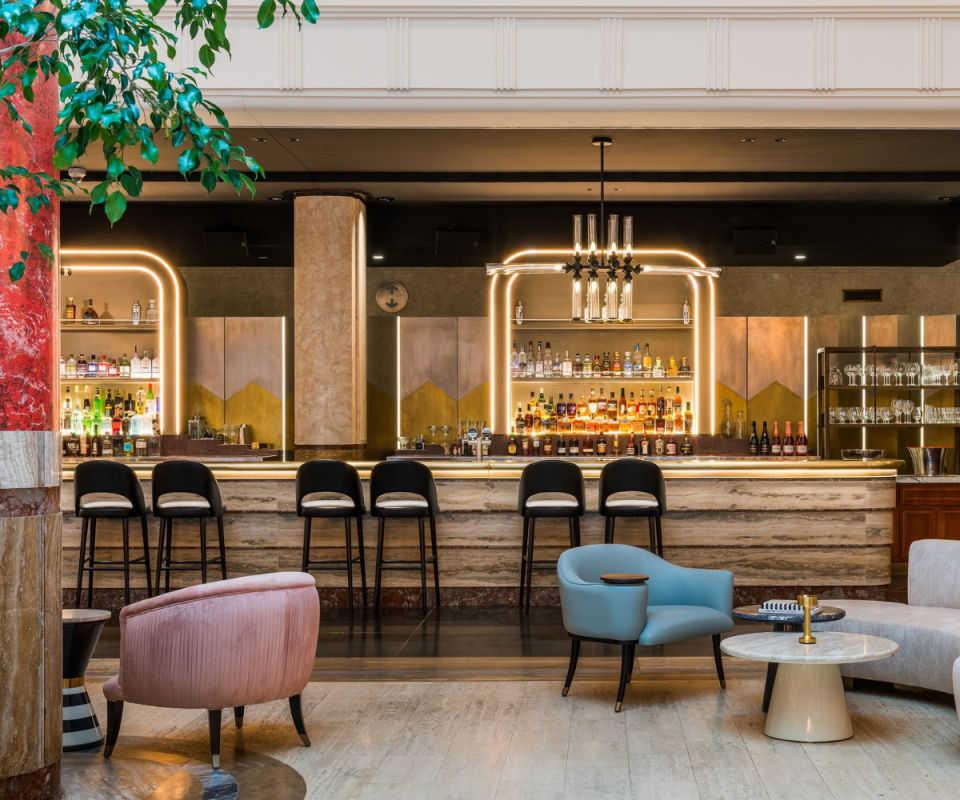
column 934, row 573
column 219, row 645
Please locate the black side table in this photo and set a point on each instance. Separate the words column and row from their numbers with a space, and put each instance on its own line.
column 81, row 630
column 783, row 622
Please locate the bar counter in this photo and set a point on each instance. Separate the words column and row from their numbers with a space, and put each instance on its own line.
column 779, row 524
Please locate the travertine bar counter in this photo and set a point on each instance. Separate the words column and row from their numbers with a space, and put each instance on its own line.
column 780, row 525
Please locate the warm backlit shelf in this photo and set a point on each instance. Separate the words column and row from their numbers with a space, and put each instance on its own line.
column 88, row 379
column 109, row 325
column 892, row 425
column 595, row 378
column 567, row 325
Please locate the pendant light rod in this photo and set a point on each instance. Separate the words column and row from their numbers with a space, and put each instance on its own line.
column 602, row 142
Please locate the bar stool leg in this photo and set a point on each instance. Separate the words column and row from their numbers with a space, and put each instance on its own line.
column 533, row 527
column 608, row 530
column 346, row 525
column 203, row 550
column 166, row 580
column 523, row 558
column 305, row 561
column 93, row 556
column 653, row 535
column 378, row 578
column 576, row 530
column 163, row 532
column 573, row 536
column 363, row 559
column 146, row 554
column 659, row 538
column 126, row 560
column 83, row 557
column 436, row 567
column 223, row 549
column 423, row 565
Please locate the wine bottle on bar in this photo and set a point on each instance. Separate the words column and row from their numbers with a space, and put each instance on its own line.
column 764, row 441
column 775, row 448
column 755, row 441
column 802, row 448
column 788, row 445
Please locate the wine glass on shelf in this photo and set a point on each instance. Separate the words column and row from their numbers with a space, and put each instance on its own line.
column 848, row 371
column 898, row 370
column 907, row 406
column 886, row 415
column 955, row 369
column 869, row 372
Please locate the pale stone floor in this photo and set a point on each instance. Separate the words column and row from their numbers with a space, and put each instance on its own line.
column 512, row 739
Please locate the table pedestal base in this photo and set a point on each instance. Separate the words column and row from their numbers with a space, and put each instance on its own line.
column 808, row 704
column 81, row 728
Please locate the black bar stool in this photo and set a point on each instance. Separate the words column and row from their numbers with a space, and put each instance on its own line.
column 326, row 476
column 186, row 490
column 108, row 490
column 541, row 477
column 409, row 477
column 633, row 475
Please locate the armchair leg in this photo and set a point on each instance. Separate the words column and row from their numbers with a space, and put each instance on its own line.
column 626, row 667
column 213, row 718
column 574, row 655
column 114, row 717
column 716, row 657
column 296, row 710
column 238, row 716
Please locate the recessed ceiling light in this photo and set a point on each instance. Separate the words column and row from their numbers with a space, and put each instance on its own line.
column 779, row 140
column 948, row 199
column 746, row 140
column 293, row 140
column 799, row 258
column 259, row 139
column 385, row 199
column 589, row 189
column 378, row 258
column 616, row 189
column 263, row 258
column 274, row 198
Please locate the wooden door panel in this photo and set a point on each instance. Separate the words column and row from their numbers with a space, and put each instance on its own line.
column 915, row 524
column 949, row 524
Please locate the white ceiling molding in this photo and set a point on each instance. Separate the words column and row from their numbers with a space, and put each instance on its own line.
column 611, row 54
column 398, row 54
column 291, row 55
column 824, row 59
column 506, row 56
column 718, row 55
column 931, row 60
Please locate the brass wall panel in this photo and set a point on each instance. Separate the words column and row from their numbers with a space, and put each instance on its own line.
column 253, row 352
column 775, row 353
column 428, row 353
column 205, row 354
column 473, row 354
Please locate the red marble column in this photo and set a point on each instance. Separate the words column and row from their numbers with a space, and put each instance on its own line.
column 30, row 632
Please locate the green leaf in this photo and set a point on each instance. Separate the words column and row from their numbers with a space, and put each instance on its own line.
column 114, row 167
column 310, row 11
column 149, row 151
column 46, row 251
column 188, row 161
column 266, row 12
column 129, row 184
column 206, row 56
column 116, row 205
column 99, row 193
column 16, row 271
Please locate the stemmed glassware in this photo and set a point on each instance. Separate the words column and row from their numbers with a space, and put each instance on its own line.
column 848, row 371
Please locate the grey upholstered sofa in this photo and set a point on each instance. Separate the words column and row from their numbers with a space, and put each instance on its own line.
column 927, row 630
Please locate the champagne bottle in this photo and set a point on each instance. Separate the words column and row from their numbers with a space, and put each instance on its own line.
column 755, row 441
column 788, row 445
column 802, row 449
column 775, row 448
column 764, row 441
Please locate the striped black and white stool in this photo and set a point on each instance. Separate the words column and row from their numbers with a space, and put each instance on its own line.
column 81, row 629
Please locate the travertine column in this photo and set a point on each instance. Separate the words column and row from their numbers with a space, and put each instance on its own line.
column 330, row 351
column 30, row 637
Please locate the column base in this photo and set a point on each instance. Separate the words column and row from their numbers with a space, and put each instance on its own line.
column 44, row 784
column 808, row 704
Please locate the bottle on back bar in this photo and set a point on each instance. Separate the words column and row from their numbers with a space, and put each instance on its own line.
column 567, row 367
column 521, row 362
column 802, row 449
column 671, row 446
column 632, row 446
column 574, row 447
column 622, row 407
column 538, row 364
column 688, row 419
column 557, row 368
column 512, row 443
column 661, row 403
column 617, row 366
column 788, row 444
column 755, row 441
column 764, row 441
column 647, row 362
column 514, row 360
column 602, row 404
column 775, row 448
column 519, row 422
column 531, row 361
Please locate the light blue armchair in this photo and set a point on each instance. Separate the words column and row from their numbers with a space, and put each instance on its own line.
column 676, row 603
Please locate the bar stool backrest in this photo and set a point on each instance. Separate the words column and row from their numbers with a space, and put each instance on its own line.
column 632, row 475
column 189, row 477
column 329, row 475
column 540, row 477
column 109, row 477
column 403, row 475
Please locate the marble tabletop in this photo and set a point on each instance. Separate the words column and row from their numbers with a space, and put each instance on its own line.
column 75, row 615
column 825, row 614
column 831, row 648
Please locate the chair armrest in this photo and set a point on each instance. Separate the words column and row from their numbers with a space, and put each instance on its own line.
column 602, row 611
column 711, row 588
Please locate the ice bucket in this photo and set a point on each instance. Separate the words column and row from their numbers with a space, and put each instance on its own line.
column 929, row 462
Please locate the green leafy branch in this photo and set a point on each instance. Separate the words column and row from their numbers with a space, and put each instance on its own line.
column 118, row 91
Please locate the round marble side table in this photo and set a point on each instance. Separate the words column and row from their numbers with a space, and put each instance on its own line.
column 808, row 703
column 783, row 621
column 81, row 630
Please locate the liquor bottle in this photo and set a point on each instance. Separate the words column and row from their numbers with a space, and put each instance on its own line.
column 672, row 369
column 802, row 449
column 627, row 364
column 114, row 371
column 660, row 424
column 606, row 367
column 574, row 447
column 602, row 405
column 668, row 423
column 514, row 361
column 140, row 449
column 588, row 447
column 537, row 419
column 521, row 363
column 70, row 314
column 103, row 368
column 108, row 405
column 140, row 403
column 671, row 446
column 659, row 445
column 518, row 313
column 677, row 402
column 613, row 410
column 652, row 406
column 661, row 403
column 151, row 312
column 622, row 406
column 93, row 368
column 541, row 401
column 84, row 449
column 538, row 363
column 557, row 370
column 597, row 367
column 155, row 365
column 632, row 446
column 601, row 446
column 531, row 361
column 547, row 361
column 561, row 408
column 637, row 362
column 561, row 447
column 71, row 367
column 582, row 413
column 617, row 365
column 592, row 404
column 587, row 366
column 644, row 446
column 67, row 410
column 755, row 441
column 685, row 371
column 97, row 402
column 658, row 370
column 650, row 420
column 647, row 363
column 135, row 421
column 90, row 317
column 567, row 367
column 765, row 441
column 117, row 422
column 616, row 447
column 688, row 419
column 76, row 416
column 135, row 364
column 775, row 448
column 124, row 367
column 81, row 367
column 528, row 417
column 535, row 445
column 87, row 415
column 577, row 367
column 63, row 366
column 127, row 445
column 548, row 446
column 686, row 312
column 107, row 447
column 135, row 312
column 789, row 449
column 686, row 449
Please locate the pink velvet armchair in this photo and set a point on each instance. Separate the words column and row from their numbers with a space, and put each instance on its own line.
column 219, row 645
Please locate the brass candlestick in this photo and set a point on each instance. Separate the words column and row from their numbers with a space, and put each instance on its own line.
column 807, row 601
